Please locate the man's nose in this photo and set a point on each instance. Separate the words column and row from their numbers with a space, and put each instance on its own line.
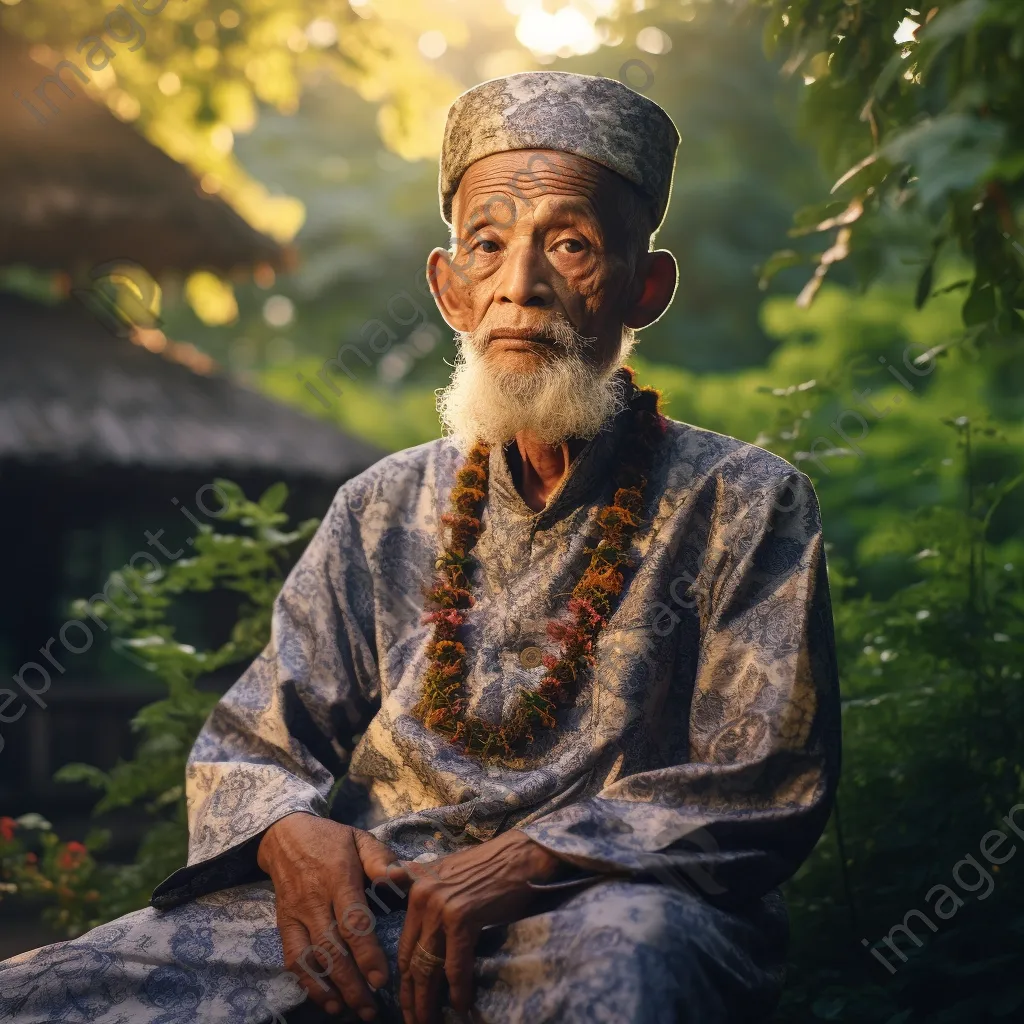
column 523, row 280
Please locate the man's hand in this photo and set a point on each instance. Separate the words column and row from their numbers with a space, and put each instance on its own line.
column 465, row 891
column 319, row 869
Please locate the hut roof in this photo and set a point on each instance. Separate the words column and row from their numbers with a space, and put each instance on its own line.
column 85, row 188
column 71, row 391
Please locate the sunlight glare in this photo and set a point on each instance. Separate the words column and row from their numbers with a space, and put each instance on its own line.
column 905, row 33
column 567, row 32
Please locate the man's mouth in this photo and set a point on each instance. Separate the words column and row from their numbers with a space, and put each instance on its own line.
column 527, row 335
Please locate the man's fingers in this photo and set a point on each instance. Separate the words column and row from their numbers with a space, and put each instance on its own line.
column 406, row 947
column 357, row 923
column 302, row 960
column 317, row 867
column 346, row 976
column 460, row 955
column 389, row 889
column 427, row 996
column 378, row 860
column 411, row 926
column 427, row 977
column 406, row 999
column 424, row 941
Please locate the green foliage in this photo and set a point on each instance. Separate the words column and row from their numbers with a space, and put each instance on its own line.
column 925, row 138
column 393, row 419
column 243, row 559
column 933, row 711
column 926, row 564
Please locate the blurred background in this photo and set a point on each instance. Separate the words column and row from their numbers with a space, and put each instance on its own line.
column 214, row 218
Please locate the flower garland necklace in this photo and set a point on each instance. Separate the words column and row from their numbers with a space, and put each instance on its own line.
column 443, row 704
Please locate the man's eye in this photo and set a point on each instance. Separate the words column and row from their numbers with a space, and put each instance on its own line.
column 488, row 245
column 570, row 245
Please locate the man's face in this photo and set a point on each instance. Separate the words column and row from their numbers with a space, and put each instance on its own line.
column 539, row 237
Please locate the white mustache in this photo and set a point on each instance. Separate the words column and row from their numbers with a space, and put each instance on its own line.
column 557, row 328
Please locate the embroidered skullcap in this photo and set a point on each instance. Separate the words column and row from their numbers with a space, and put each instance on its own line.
column 597, row 118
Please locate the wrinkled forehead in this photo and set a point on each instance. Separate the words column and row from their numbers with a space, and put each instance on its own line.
column 495, row 185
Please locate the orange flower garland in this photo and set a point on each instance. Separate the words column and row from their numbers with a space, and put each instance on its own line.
column 443, row 705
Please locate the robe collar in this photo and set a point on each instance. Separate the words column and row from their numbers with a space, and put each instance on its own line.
column 589, row 474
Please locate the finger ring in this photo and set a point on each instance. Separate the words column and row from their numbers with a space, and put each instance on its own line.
column 425, row 960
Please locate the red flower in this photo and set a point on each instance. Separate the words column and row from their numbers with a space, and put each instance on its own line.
column 7, row 828
column 73, row 856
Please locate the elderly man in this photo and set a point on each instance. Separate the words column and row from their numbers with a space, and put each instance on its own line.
column 550, row 705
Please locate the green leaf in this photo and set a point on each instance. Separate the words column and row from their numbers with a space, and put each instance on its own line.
column 956, row 20
column 848, row 215
column 777, row 262
column 924, row 285
column 808, row 216
column 896, row 64
column 980, row 306
column 950, row 152
column 87, row 773
column 233, row 492
column 97, row 839
column 955, row 286
column 274, row 497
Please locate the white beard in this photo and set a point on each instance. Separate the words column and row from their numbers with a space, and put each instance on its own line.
column 563, row 397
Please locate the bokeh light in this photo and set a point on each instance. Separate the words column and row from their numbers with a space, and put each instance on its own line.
column 432, row 44
column 278, row 311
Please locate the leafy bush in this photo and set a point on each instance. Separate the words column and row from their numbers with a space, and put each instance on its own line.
column 249, row 563
column 933, row 713
column 924, row 136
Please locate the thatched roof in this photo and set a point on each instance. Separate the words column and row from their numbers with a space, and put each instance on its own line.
column 71, row 391
column 85, row 188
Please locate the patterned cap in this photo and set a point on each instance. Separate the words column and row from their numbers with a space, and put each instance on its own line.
column 597, row 118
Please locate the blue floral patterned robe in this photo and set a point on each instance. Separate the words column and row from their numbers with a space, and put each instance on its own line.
column 693, row 775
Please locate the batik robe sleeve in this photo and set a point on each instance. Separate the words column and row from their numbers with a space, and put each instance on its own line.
column 738, row 814
column 278, row 739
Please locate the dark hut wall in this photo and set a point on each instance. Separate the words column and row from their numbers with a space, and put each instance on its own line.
column 66, row 527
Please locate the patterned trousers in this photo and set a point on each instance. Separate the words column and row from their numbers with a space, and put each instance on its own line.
column 618, row 952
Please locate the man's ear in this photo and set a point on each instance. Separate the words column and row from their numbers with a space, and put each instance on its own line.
column 659, row 277
column 447, row 286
